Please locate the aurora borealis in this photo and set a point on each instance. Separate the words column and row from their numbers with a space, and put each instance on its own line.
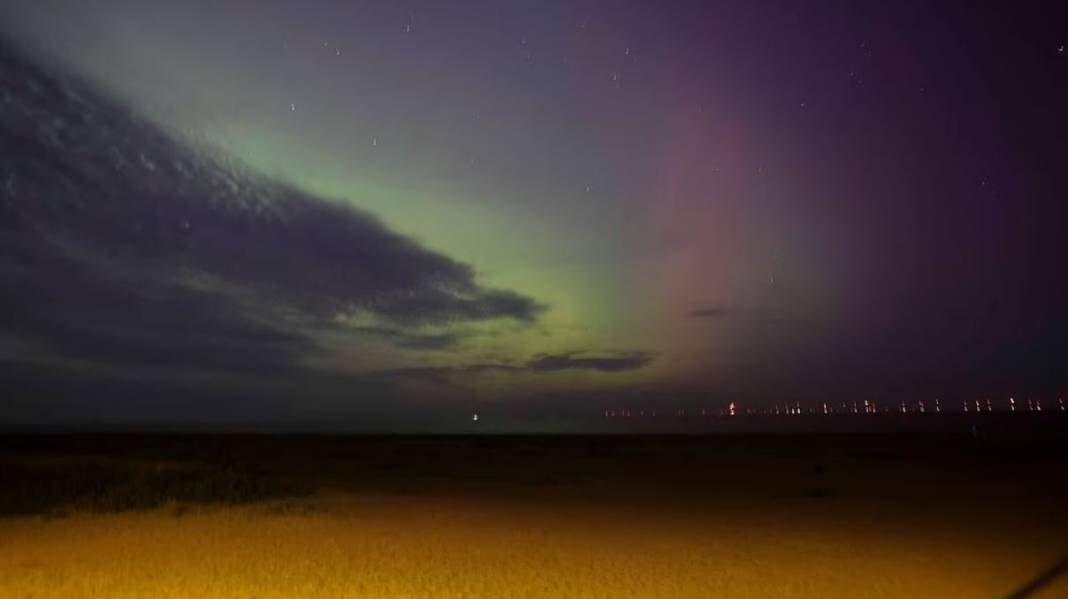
column 279, row 211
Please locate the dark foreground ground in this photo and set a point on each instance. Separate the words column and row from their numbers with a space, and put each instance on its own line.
column 730, row 515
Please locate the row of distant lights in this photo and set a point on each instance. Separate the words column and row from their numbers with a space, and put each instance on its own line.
column 865, row 407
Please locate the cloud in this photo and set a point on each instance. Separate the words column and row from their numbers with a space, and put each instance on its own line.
column 444, row 375
column 124, row 246
column 572, row 361
column 542, row 363
column 411, row 340
column 83, row 312
column 710, row 312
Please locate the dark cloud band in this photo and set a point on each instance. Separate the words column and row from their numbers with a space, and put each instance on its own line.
column 123, row 245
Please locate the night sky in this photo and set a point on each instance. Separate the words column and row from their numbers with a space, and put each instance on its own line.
column 388, row 214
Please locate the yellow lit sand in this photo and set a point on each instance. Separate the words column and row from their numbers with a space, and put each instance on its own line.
column 395, row 546
column 350, row 516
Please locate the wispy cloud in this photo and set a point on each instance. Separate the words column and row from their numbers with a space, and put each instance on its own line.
column 606, row 363
column 542, row 363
